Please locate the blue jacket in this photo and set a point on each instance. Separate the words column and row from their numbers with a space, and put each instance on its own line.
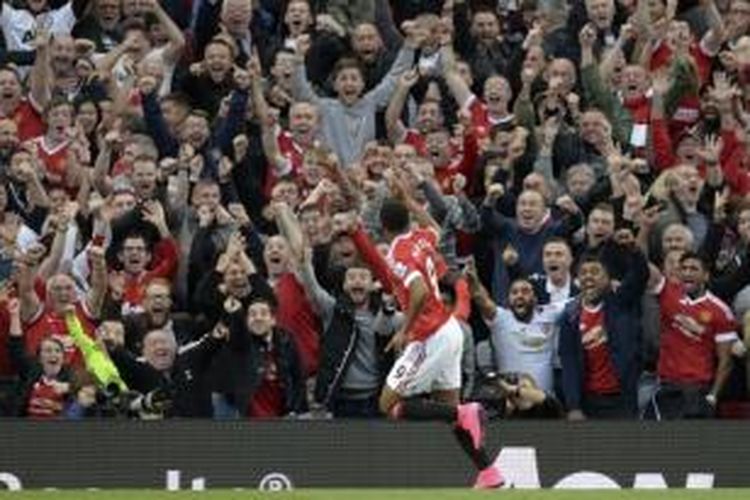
column 622, row 321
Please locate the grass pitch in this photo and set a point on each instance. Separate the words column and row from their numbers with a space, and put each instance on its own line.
column 375, row 494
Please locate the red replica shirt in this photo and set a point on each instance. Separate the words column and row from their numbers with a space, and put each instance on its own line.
column 164, row 264
column 481, row 118
column 294, row 154
column 600, row 376
column 54, row 159
column 44, row 400
column 28, row 120
column 268, row 400
column 414, row 255
column 690, row 330
column 688, row 109
column 296, row 316
column 415, row 139
column 48, row 324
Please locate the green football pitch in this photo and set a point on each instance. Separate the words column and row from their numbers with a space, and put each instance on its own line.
column 373, row 494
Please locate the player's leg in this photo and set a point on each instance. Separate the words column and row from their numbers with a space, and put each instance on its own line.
column 470, row 417
column 412, row 374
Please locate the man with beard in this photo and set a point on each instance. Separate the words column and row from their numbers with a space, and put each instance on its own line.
column 600, row 335
column 429, row 115
column 695, row 354
column 101, row 26
column 356, row 330
column 480, row 41
column 523, row 335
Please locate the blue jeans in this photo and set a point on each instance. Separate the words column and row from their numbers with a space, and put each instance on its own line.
column 356, row 408
column 223, row 409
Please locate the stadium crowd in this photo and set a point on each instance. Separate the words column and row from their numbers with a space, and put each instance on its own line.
column 192, row 189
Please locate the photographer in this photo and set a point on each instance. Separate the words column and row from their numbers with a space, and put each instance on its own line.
column 516, row 396
column 172, row 382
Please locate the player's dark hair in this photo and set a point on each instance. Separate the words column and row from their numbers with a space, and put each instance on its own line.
column 394, row 216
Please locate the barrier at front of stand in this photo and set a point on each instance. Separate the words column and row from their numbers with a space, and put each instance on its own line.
column 184, row 455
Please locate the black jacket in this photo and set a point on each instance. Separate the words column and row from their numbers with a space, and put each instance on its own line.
column 238, row 368
column 186, row 381
column 338, row 343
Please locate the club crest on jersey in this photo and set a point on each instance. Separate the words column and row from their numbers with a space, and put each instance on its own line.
column 704, row 316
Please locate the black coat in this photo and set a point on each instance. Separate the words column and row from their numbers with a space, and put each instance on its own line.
column 186, row 380
column 337, row 345
column 238, row 369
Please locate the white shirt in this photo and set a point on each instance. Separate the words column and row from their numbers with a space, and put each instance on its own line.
column 527, row 347
column 20, row 26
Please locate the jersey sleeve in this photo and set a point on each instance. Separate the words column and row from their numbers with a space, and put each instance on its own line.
column 403, row 264
column 726, row 326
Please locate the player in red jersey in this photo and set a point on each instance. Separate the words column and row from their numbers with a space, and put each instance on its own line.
column 697, row 329
column 430, row 362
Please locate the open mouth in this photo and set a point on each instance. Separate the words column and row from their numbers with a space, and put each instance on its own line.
column 274, row 260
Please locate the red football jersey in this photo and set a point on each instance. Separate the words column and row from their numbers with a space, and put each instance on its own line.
column 44, row 401
column 415, row 139
column 28, row 120
column 49, row 324
column 411, row 256
column 294, row 154
column 600, row 376
column 54, row 159
column 690, row 330
column 481, row 118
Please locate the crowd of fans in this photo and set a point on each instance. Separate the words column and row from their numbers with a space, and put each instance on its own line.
column 196, row 186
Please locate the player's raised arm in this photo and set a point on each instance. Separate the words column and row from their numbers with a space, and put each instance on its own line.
column 399, row 190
